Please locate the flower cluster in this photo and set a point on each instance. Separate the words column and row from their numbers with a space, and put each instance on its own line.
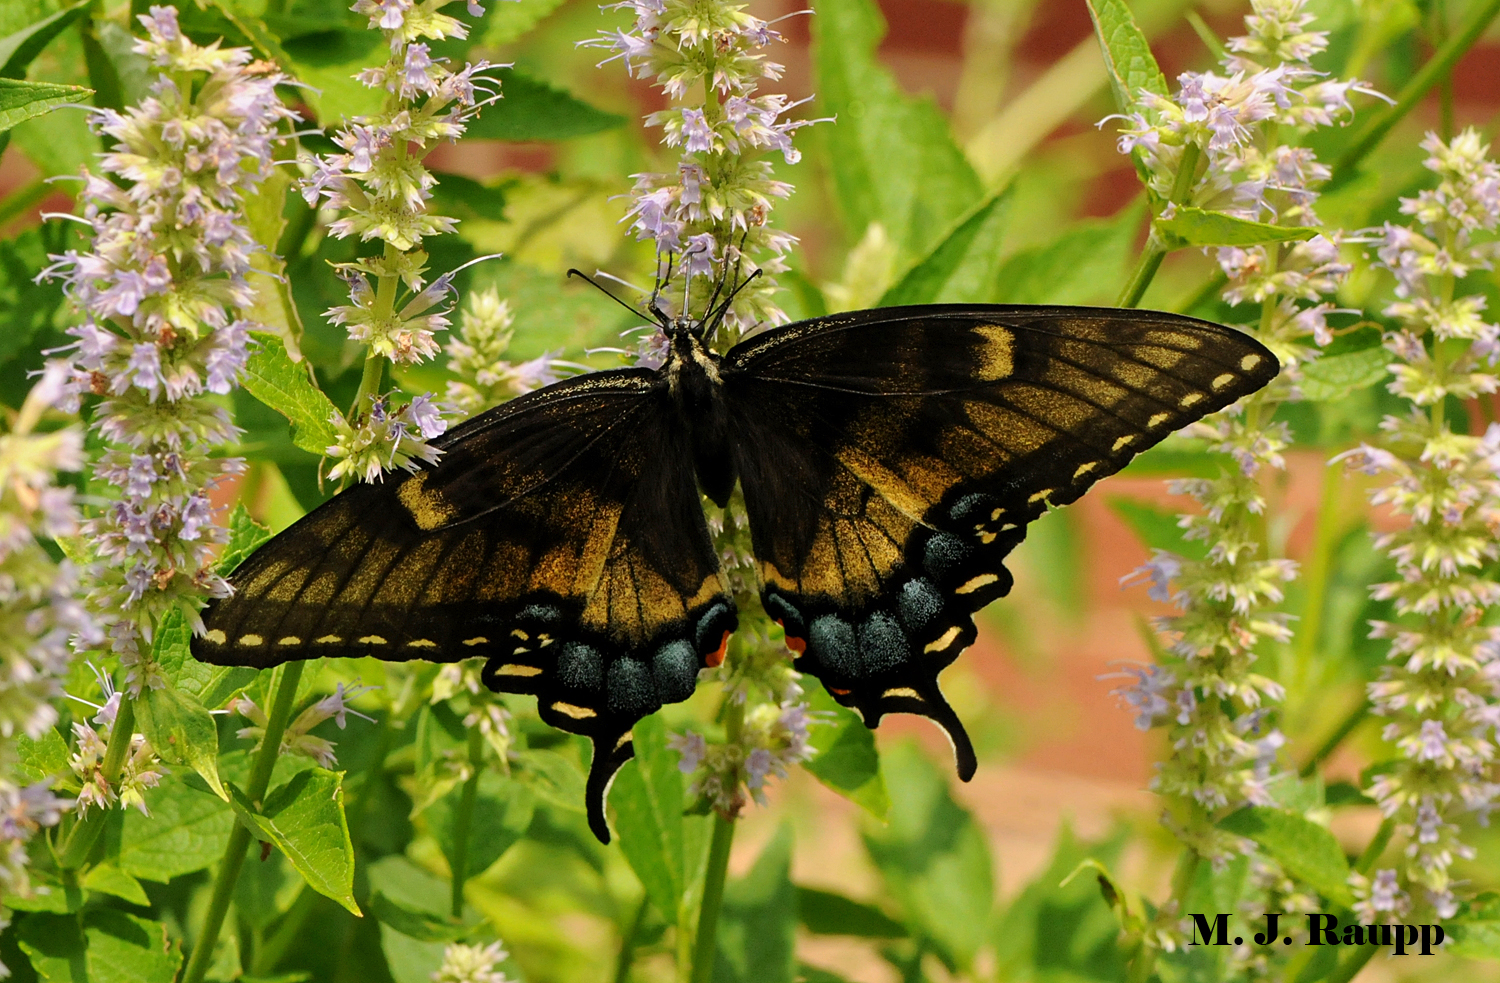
column 772, row 737
column 141, row 768
column 709, row 217
column 472, row 964
column 38, row 611
column 379, row 186
column 1439, row 692
column 296, row 739
column 477, row 357
column 382, row 439
column 158, row 291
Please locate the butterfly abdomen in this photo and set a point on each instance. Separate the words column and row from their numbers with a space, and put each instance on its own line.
column 692, row 373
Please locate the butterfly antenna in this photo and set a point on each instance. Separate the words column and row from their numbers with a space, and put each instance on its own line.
column 661, row 281
column 597, row 286
column 718, row 315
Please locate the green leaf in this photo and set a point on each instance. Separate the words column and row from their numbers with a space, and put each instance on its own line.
column 757, row 929
column 1308, row 851
column 44, row 757
column 1475, row 933
column 210, row 687
column 1191, row 226
column 25, row 100
column 186, row 831
column 934, row 857
column 1334, row 377
column 17, row 50
column 266, row 890
column 534, row 110
column 1127, row 53
column 109, row 946
column 553, row 778
column 1065, row 931
column 286, row 387
column 414, row 923
column 327, row 62
column 664, row 847
column 465, row 198
column 1085, row 264
column 180, row 730
column 304, row 819
column 272, row 306
column 892, row 157
column 48, row 893
column 963, row 266
column 507, row 22
column 502, row 812
column 245, row 537
column 846, row 759
column 1156, row 528
column 826, row 913
column 109, row 879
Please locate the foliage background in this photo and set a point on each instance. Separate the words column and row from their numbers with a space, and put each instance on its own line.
column 955, row 102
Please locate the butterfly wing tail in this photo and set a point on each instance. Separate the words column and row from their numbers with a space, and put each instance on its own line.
column 609, row 757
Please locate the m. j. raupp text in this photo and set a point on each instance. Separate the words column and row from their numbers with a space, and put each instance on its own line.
column 1323, row 929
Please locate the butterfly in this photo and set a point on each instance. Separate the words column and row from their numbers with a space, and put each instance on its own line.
column 889, row 460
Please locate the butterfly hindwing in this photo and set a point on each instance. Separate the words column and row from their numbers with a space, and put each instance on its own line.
column 890, row 459
column 561, row 537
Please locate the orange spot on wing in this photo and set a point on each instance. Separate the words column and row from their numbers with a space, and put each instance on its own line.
column 716, row 657
column 798, row 645
column 838, row 692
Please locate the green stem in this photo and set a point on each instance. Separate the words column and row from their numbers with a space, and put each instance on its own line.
column 1350, row 967
column 369, row 384
column 267, row 956
column 627, row 942
column 1332, row 742
column 1144, row 963
column 464, row 820
column 713, row 899
column 1437, row 68
column 1155, row 252
column 1318, row 569
column 80, row 842
column 284, row 685
column 1371, row 856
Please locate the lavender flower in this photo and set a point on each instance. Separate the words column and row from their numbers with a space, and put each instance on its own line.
column 477, row 357
column 1440, row 691
column 771, row 738
column 709, row 218
column 158, row 293
column 296, row 739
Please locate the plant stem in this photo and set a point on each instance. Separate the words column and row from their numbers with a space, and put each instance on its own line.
column 1350, row 967
column 464, row 820
column 1332, row 742
column 284, row 685
column 1318, row 570
column 1144, row 963
column 1437, row 68
column 1155, row 252
column 704, row 948
column 1371, row 856
column 80, row 842
column 627, row 942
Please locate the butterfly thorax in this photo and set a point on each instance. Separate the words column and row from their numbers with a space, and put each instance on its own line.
column 697, row 389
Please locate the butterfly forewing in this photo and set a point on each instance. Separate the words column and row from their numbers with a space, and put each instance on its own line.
column 561, row 538
column 890, row 459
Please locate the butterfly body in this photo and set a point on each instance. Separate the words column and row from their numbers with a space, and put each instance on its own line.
column 889, row 460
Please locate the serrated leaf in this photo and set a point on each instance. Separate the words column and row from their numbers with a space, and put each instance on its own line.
column 664, row 847
column 757, row 930
column 827, row 913
column 180, row 731
column 245, row 537
column 846, row 759
column 25, row 100
column 210, row 687
column 963, row 267
column 1156, row 528
column 934, row 857
column 1334, row 377
column 507, row 22
column 304, row 819
column 44, row 757
column 105, row 946
column 534, row 110
column 283, row 385
column 109, row 879
column 1191, row 226
column 19, row 49
column 186, row 831
column 1308, row 851
column 893, row 158
column 1127, row 53
column 412, row 922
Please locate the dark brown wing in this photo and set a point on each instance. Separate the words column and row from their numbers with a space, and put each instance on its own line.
column 561, row 536
column 891, row 458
